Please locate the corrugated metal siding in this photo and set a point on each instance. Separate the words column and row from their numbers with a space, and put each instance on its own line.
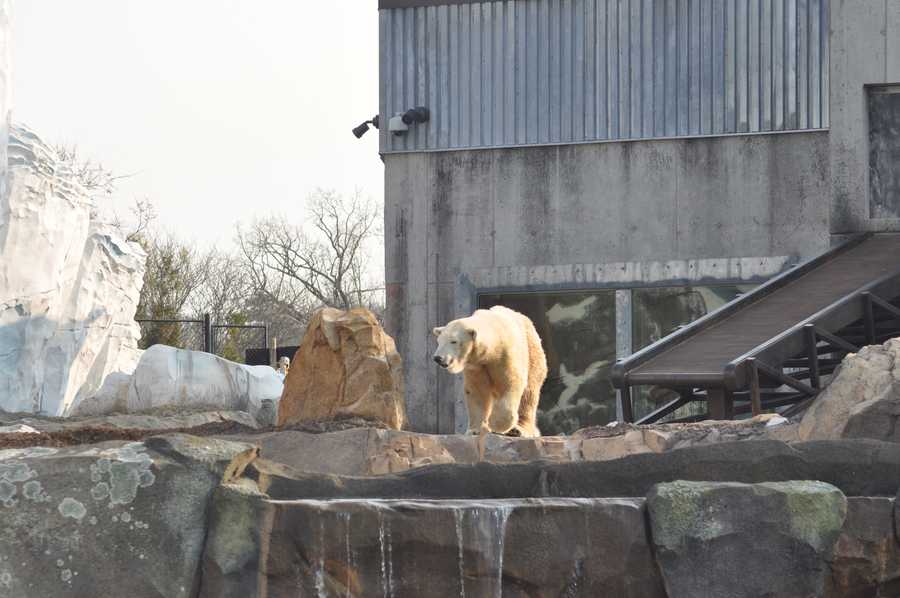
column 517, row 72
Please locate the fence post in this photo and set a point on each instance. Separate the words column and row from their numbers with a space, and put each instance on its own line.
column 812, row 355
column 273, row 353
column 869, row 318
column 207, row 334
column 626, row 407
column 755, row 398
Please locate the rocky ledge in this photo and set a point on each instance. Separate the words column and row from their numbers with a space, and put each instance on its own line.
column 216, row 504
column 190, row 516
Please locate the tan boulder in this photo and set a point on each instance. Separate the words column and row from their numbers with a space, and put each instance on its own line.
column 863, row 399
column 346, row 366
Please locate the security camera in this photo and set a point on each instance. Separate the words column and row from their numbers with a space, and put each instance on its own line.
column 362, row 129
column 418, row 114
column 400, row 123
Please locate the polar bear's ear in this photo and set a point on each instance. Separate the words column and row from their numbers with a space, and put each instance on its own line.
column 437, row 331
column 472, row 332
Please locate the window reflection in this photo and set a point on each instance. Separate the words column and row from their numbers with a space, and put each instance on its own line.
column 578, row 331
column 658, row 312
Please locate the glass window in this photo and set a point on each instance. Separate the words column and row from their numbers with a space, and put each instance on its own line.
column 578, row 331
column 657, row 312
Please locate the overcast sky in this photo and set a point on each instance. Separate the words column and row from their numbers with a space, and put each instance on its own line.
column 223, row 109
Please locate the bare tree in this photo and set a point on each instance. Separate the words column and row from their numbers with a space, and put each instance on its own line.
column 138, row 227
column 322, row 263
column 144, row 215
column 91, row 175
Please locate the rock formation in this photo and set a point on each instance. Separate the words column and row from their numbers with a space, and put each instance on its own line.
column 346, row 366
column 69, row 286
column 115, row 519
column 727, row 539
column 863, row 399
column 166, row 377
column 5, row 88
column 373, row 451
column 866, row 560
column 144, row 503
column 468, row 529
column 424, row 549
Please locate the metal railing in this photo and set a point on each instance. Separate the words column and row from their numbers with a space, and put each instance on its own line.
column 787, row 369
column 209, row 340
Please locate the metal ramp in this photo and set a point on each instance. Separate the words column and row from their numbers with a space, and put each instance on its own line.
column 771, row 347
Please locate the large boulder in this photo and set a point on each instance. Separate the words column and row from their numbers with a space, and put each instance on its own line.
column 122, row 519
column 866, row 561
column 170, row 378
column 419, row 549
column 346, row 366
column 69, row 286
column 863, row 399
column 740, row 540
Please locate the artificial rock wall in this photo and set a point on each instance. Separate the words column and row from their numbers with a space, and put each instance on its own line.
column 5, row 86
column 69, row 284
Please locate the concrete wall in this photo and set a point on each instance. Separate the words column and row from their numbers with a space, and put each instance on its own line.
column 459, row 221
column 450, row 215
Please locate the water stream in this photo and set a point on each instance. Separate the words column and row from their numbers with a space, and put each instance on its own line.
column 479, row 534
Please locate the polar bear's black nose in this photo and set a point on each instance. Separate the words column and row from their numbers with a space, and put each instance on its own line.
column 440, row 361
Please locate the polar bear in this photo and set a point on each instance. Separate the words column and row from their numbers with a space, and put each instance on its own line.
column 499, row 353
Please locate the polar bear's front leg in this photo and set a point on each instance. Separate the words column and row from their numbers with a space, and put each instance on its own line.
column 478, row 399
column 476, row 415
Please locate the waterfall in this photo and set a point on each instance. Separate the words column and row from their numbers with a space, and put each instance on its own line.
column 487, row 526
column 384, row 578
column 479, row 529
column 458, row 516
column 499, row 516
column 320, row 565
column 350, row 565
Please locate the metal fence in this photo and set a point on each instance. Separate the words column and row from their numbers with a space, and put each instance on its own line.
column 519, row 72
column 208, row 329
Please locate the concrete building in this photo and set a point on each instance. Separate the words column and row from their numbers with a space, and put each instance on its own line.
column 616, row 168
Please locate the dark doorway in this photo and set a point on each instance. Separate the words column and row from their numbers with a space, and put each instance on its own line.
column 884, row 151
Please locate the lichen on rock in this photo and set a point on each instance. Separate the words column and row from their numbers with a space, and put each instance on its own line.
column 737, row 535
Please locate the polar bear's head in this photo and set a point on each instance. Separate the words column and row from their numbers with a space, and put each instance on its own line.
column 455, row 343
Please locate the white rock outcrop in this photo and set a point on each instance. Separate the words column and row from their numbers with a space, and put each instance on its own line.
column 170, row 378
column 5, row 86
column 69, row 286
